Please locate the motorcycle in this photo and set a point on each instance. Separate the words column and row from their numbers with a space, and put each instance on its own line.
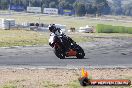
column 64, row 46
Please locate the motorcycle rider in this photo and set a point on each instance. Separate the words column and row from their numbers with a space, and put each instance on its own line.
column 55, row 32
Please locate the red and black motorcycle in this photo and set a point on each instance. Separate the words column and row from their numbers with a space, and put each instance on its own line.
column 64, row 46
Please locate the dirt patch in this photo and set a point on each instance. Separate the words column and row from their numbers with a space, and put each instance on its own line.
column 55, row 78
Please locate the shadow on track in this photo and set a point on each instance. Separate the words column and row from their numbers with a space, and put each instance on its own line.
column 74, row 58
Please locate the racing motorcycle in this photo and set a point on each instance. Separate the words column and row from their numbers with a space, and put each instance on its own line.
column 64, row 46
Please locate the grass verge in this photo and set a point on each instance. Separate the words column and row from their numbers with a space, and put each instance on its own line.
column 10, row 38
column 22, row 38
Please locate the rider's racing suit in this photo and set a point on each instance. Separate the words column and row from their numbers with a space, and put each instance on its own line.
column 57, row 32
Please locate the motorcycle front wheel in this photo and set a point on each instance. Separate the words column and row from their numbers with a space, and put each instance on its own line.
column 59, row 53
column 80, row 52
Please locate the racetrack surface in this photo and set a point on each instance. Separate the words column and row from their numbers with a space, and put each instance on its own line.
column 103, row 52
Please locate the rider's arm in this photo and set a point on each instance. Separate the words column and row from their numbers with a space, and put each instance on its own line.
column 60, row 31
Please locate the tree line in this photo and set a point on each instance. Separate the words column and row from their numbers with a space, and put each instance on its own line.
column 80, row 7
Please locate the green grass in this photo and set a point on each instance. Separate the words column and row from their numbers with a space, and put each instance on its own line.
column 80, row 39
column 48, row 84
column 10, row 38
column 14, row 84
column 66, row 20
column 112, row 35
column 22, row 38
column 8, row 86
column 74, row 84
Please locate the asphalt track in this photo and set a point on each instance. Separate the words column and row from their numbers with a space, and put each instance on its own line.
column 99, row 53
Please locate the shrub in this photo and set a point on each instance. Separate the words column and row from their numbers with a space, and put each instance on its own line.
column 129, row 30
column 102, row 28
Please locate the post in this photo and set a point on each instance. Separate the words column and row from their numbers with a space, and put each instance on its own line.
column 9, row 8
column 9, row 25
column 29, row 3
